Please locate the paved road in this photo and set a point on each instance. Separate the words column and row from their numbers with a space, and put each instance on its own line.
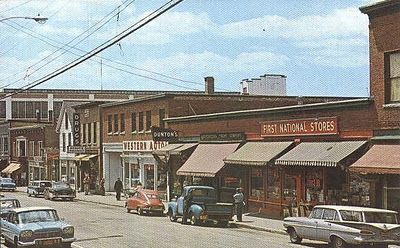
column 102, row 226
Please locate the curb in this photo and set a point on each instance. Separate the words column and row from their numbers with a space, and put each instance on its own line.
column 100, row 203
column 264, row 229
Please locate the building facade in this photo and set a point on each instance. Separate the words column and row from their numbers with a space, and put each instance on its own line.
column 268, row 84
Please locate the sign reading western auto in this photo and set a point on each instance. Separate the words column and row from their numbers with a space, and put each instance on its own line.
column 143, row 145
column 76, row 129
column 312, row 126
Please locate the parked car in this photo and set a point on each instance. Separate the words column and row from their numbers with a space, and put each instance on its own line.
column 204, row 206
column 59, row 190
column 7, row 183
column 145, row 201
column 344, row 225
column 37, row 188
column 8, row 203
column 36, row 226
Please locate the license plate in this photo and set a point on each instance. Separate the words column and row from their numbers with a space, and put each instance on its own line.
column 48, row 242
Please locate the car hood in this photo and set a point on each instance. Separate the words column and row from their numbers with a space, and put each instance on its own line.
column 155, row 202
column 295, row 219
column 43, row 225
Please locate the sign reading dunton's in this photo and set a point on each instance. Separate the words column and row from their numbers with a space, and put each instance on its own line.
column 297, row 127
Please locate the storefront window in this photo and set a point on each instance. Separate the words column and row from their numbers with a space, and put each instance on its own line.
column 289, row 188
column 359, row 191
column 231, row 182
column 134, row 177
column 149, row 176
column 257, row 190
column 273, row 183
column 314, row 185
column 393, row 192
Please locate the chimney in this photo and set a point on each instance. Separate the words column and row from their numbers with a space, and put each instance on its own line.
column 209, row 83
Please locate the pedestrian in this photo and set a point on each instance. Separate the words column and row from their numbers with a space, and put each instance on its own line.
column 86, row 182
column 102, row 189
column 187, row 201
column 118, row 188
column 238, row 200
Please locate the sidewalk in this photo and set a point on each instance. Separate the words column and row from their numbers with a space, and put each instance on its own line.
column 249, row 221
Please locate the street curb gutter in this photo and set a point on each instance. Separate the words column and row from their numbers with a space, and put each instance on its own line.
column 100, row 203
column 270, row 230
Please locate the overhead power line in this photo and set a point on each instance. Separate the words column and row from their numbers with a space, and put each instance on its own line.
column 141, row 23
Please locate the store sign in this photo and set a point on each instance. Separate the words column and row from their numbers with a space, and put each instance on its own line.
column 222, row 137
column 76, row 129
column 163, row 134
column 76, row 149
column 143, row 145
column 312, row 126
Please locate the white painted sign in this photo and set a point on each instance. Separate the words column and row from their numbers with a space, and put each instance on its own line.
column 143, row 145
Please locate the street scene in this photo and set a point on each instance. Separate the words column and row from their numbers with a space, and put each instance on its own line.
column 206, row 123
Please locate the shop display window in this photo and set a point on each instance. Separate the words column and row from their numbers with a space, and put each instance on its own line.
column 273, row 183
column 257, row 189
column 314, row 186
column 393, row 192
column 149, row 176
column 289, row 188
column 231, row 182
column 359, row 191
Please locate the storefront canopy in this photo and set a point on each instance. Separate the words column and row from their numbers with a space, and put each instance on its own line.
column 380, row 159
column 11, row 168
column 328, row 154
column 206, row 160
column 88, row 157
column 174, row 149
column 257, row 153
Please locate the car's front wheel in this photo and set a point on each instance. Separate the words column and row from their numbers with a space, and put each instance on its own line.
column 171, row 216
column 338, row 243
column 294, row 238
column 140, row 211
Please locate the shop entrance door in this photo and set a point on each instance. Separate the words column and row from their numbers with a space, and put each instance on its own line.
column 292, row 192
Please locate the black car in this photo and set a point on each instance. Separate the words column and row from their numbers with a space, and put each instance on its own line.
column 60, row 190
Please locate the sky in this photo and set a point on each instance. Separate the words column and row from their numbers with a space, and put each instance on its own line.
column 320, row 45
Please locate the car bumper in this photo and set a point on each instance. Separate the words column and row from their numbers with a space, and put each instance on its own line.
column 37, row 242
column 361, row 241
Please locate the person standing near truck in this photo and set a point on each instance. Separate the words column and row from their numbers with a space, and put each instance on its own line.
column 238, row 200
column 187, row 201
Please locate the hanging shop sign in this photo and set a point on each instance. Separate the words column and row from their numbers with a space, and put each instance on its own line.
column 143, row 145
column 163, row 134
column 222, row 137
column 76, row 149
column 297, row 127
column 77, row 129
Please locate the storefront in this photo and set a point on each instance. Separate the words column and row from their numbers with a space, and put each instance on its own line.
column 378, row 174
column 87, row 164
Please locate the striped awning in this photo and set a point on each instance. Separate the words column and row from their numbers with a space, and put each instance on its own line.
column 174, row 149
column 326, row 154
column 207, row 160
column 11, row 168
column 380, row 159
column 257, row 153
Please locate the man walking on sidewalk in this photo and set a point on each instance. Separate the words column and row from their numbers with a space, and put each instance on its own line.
column 118, row 188
column 238, row 199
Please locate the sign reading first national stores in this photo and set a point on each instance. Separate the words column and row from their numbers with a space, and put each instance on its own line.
column 297, row 127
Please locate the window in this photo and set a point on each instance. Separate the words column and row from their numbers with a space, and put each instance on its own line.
column 40, row 147
column 116, row 127
column 21, row 147
column 348, row 215
column 5, row 145
column 66, row 121
column 109, row 123
column 148, row 120
column 273, row 183
column 257, row 190
column 51, row 115
column 161, row 115
column 317, row 213
column 133, row 122
column 329, row 214
column 94, row 132
column 392, row 67
column 69, row 139
column 63, row 142
column 141, row 126
column 122, row 123
column 31, row 148
column 83, row 133
column 1, row 145
column 89, row 125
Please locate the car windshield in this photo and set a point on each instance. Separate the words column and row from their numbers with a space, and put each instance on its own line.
column 38, row 216
column 380, row 217
column 60, row 185
column 6, row 180
column 348, row 215
column 8, row 204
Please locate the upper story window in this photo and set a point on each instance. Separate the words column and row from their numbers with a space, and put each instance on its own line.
column 392, row 66
column 69, row 139
column 133, row 122
column 94, row 133
column 66, row 121
column 89, row 125
column 40, row 148
column 148, row 120
column 21, row 148
column 5, row 145
column 63, row 142
column 161, row 115
column 84, row 133
column 141, row 124
column 122, row 123
column 109, row 124
column 116, row 126
column 31, row 149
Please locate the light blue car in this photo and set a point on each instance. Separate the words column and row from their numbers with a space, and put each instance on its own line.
column 36, row 226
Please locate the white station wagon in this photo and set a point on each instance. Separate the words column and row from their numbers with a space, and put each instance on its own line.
column 344, row 225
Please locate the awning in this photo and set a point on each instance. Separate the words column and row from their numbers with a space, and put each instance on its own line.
column 80, row 156
column 257, row 153
column 174, row 149
column 88, row 157
column 206, row 160
column 380, row 159
column 11, row 168
column 328, row 154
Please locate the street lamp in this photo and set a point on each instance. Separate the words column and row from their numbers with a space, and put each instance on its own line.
column 39, row 19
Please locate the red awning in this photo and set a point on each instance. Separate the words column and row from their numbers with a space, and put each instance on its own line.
column 206, row 160
column 380, row 159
